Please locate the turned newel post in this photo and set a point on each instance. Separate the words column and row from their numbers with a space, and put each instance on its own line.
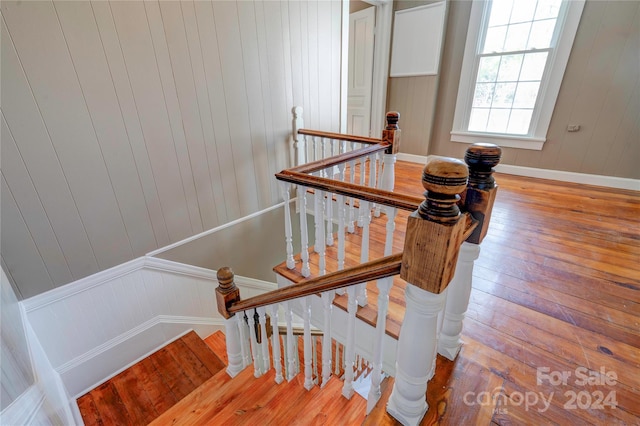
column 390, row 135
column 226, row 294
column 433, row 237
column 478, row 200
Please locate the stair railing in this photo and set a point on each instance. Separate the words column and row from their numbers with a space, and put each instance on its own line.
column 457, row 207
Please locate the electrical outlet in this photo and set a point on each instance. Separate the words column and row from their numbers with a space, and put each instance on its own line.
column 573, row 127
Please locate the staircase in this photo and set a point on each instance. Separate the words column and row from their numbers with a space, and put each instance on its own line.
column 185, row 383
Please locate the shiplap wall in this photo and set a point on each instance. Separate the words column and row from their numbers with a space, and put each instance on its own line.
column 127, row 126
column 600, row 92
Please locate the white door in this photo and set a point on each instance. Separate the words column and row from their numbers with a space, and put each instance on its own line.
column 361, row 41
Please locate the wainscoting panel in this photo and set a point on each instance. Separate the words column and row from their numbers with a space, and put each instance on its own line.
column 98, row 326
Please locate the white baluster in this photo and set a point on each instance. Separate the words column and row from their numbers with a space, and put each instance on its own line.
column 350, row 347
column 299, row 140
column 352, row 207
column 319, row 245
column 341, row 224
column 234, row 347
column 255, row 353
column 365, row 211
column 288, row 234
column 304, row 238
column 458, row 293
column 308, row 362
column 387, row 180
column 292, row 353
column 379, row 181
column 314, row 351
column 264, row 344
column 372, row 175
column 243, row 330
column 384, row 285
column 327, row 298
column 414, row 360
column 363, row 174
column 329, row 215
column 391, row 226
column 275, row 344
column 337, row 362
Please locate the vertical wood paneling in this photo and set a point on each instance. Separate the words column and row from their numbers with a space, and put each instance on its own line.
column 219, row 114
column 604, row 57
column 281, row 111
column 25, row 124
column 33, row 213
column 252, row 70
column 129, row 113
column 136, row 124
column 25, row 262
column 82, row 37
column 324, row 66
column 35, row 31
column 210, row 218
column 181, row 128
column 137, row 48
column 311, row 31
column 265, row 76
column 230, row 49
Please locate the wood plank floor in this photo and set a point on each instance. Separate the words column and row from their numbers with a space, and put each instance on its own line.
column 556, row 291
column 152, row 386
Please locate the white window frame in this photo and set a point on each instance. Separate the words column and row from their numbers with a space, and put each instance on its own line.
column 569, row 19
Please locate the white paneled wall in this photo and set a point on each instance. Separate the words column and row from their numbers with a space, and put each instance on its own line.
column 95, row 327
column 127, row 126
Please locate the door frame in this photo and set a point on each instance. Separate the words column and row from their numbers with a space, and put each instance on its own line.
column 381, row 50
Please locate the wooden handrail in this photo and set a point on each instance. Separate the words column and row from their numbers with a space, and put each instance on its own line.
column 377, row 269
column 379, row 196
column 339, row 136
column 338, row 159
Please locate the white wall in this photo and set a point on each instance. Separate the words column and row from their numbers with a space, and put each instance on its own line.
column 127, row 126
column 32, row 392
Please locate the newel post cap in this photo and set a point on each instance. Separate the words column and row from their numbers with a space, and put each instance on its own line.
column 445, row 176
column 225, row 278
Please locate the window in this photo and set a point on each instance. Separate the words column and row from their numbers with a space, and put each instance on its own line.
column 514, row 60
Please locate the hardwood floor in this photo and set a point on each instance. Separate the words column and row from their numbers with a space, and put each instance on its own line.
column 556, row 291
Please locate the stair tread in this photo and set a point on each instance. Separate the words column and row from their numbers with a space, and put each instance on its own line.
column 153, row 385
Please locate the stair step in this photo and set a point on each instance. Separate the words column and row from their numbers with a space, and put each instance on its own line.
column 153, row 385
column 249, row 400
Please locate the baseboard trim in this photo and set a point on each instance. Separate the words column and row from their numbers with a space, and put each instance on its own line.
column 559, row 175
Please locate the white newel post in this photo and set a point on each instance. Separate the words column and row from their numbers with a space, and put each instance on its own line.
column 234, row 350
column 298, row 140
column 416, row 352
column 458, row 294
column 226, row 294
column 433, row 235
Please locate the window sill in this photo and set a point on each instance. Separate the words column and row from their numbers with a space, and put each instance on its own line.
column 505, row 141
